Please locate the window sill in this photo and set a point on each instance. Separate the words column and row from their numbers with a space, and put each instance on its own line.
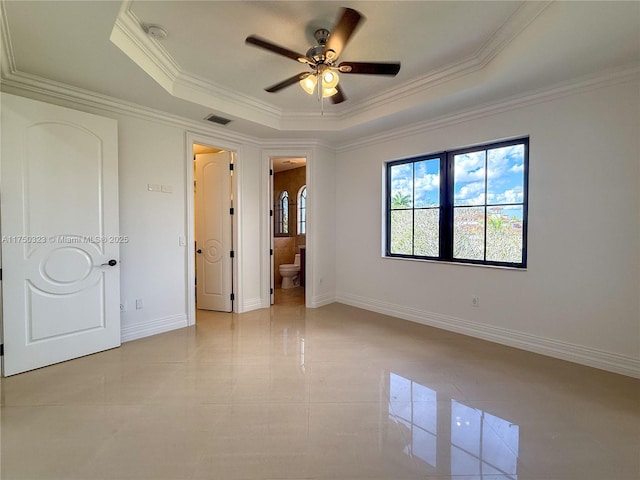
column 460, row 264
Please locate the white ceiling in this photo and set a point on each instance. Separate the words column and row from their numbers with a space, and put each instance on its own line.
column 454, row 56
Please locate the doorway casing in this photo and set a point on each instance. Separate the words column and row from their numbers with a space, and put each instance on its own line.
column 267, row 266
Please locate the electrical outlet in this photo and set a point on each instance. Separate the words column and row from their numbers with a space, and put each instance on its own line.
column 475, row 300
column 139, row 304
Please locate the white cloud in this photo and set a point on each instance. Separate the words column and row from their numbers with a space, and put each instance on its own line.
column 471, row 193
column 513, row 195
column 469, row 167
column 428, row 182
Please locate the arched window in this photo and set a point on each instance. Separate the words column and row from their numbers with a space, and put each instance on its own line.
column 302, row 210
column 282, row 213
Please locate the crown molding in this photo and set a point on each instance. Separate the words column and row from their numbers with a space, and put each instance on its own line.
column 496, row 43
column 129, row 35
column 623, row 74
column 29, row 84
column 7, row 59
column 33, row 84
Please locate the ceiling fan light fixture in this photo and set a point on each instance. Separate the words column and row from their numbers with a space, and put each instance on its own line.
column 329, row 79
column 309, row 83
column 329, row 92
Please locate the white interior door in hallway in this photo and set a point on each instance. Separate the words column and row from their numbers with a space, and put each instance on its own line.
column 213, row 231
column 60, row 249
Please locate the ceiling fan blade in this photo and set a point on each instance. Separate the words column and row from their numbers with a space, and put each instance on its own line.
column 368, row 68
column 342, row 32
column 338, row 97
column 287, row 82
column 272, row 47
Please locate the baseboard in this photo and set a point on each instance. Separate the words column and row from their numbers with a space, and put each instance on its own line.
column 591, row 357
column 152, row 327
column 322, row 300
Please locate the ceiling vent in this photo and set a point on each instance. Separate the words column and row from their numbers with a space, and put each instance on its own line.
column 217, row 119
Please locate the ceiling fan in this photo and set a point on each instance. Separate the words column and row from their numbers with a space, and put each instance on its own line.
column 323, row 57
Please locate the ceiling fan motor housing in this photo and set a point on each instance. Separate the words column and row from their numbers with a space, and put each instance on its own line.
column 317, row 52
column 321, row 35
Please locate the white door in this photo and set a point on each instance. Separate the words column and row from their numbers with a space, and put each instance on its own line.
column 213, row 231
column 59, row 204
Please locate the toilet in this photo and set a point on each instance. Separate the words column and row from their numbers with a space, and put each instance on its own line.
column 289, row 273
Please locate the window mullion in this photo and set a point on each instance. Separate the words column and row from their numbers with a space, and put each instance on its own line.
column 413, row 209
column 486, row 190
column 446, row 202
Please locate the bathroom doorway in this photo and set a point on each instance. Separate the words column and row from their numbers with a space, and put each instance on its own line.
column 212, row 228
column 288, row 229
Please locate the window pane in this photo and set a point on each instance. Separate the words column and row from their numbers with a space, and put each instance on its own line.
column 402, row 232
column 468, row 233
column 402, row 186
column 427, row 228
column 302, row 211
column 427, row 183
column 504, row 234
column 285, row 213
column 505, row 183
column 469, row 178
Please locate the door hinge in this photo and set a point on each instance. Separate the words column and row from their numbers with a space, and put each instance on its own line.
column 233, row 297
column 0, row 274
column 231, row 211
column 231, row 166
column 1, row 349
column 271, row 291
column 233, row 254
column 271, row 213
column 271, row 251
column 270, row 171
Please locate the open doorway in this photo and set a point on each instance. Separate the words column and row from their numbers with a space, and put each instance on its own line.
column 212, row 228
column 289, row 229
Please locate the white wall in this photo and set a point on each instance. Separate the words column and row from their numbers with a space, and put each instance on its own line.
column 152, row 262
column 153, row 266
column 153, row 149
column 252, row 294
column 321, row 238
column 578, row 299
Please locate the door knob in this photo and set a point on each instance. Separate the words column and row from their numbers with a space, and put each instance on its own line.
column 199, row 250
column 111, row 263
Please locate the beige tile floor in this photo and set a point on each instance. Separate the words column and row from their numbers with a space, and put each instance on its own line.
column 329, row 393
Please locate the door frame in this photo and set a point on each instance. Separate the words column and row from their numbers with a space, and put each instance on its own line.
column 235, row 150
column 268, row 279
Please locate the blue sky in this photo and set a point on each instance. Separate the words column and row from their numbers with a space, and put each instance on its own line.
column 505, row 178
column 427, row 180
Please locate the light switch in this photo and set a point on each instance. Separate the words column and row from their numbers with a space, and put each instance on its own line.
column 153, row 187
column 167, row 189
column 181, row 241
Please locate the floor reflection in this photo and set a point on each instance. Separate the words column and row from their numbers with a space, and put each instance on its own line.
column 441, row 430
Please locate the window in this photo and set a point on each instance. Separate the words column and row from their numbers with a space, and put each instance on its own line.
column 302, row 210
column 282, row 213
column 467, row 205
